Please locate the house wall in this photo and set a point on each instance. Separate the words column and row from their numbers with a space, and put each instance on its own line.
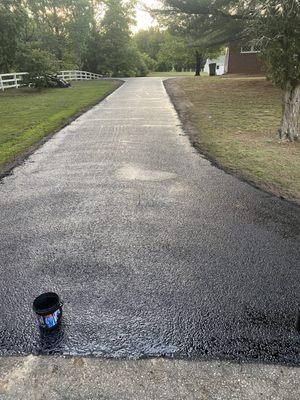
column 220, row 63
column 243, row 63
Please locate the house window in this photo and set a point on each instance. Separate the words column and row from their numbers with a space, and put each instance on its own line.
column 250, row 49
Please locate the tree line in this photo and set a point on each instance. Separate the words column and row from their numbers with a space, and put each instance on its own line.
column 50, row 35
column 46, row 36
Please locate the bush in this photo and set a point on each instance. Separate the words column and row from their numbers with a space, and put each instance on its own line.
column 45, row 81
column 163, row 66
column 150, row 63
column 131, row 63
column 36, row 61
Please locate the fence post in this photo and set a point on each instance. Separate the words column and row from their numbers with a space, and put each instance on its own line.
column 1, row 84
column 16, row 81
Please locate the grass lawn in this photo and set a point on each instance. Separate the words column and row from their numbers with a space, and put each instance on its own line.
column 27, row 115
column 234, row 121
column 171, row 74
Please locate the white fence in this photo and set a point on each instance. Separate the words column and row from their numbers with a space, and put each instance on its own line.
column 78, row 75
column 14, row 80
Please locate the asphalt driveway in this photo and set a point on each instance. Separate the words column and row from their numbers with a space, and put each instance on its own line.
column 153, row 250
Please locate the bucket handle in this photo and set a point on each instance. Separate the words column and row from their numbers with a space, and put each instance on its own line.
column 61, row 303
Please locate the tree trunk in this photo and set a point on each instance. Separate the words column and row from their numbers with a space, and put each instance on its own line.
column 289, row 128
column 198, row 63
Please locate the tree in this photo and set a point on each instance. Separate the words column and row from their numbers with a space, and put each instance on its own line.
column 62, row 27
column 200, row 62
column 79, row 28
column 50, row 35
column 94, row 57
column 122, row 57
column 176, row 54
column 274, row 24
column 168, row 51
column 150, row 41
column 276, row 28
column 36, row 61
column 12, row 20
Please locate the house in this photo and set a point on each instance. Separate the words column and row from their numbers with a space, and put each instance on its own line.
column 243, row 60
column 219, row 65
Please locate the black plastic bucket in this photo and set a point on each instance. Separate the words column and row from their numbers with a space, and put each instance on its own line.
column 48, row 310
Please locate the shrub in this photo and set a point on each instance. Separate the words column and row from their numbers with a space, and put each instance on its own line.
column 36, row 61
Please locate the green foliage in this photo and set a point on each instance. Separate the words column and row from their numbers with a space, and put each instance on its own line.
column 44, row 36
column 116, row 37
column 175, row 53
column 12, row 22
column 39, row 82
column 62, row 27
column 151, row 64
column 276, row 28
column 166, row 50
column 94, row 57
column 150, row 41
column 36, row 61
column 79, row 28
column 120, row 57
column 209, row 23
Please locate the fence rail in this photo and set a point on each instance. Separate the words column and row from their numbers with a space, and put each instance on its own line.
column 14, row 79
column 78, row 75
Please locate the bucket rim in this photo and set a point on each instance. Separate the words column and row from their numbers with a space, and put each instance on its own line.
column 48, row 310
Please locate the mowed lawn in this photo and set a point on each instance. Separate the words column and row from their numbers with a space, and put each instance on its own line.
column 27, row 115
column 234, row 121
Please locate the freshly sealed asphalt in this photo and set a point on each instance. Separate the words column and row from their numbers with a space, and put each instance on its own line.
column 154, row 251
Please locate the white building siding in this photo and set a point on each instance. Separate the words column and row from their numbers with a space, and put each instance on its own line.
column 220, row 61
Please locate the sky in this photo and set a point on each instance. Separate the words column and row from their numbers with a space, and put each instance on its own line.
column 143, row 18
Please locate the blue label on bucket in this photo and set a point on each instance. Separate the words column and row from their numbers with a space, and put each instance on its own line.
column 50, row 320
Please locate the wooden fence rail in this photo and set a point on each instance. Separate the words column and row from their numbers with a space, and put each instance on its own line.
column 14, row 79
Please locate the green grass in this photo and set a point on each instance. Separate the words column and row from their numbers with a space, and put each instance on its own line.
column 27, row 115
column 235, row 123
column 171, row 74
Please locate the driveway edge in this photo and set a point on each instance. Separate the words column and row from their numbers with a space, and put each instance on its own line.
column 188, row 127
column 18, row 160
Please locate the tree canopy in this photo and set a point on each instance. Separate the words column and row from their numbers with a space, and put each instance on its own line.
column 166, row 51
column 12, row 22
column 50, row 35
